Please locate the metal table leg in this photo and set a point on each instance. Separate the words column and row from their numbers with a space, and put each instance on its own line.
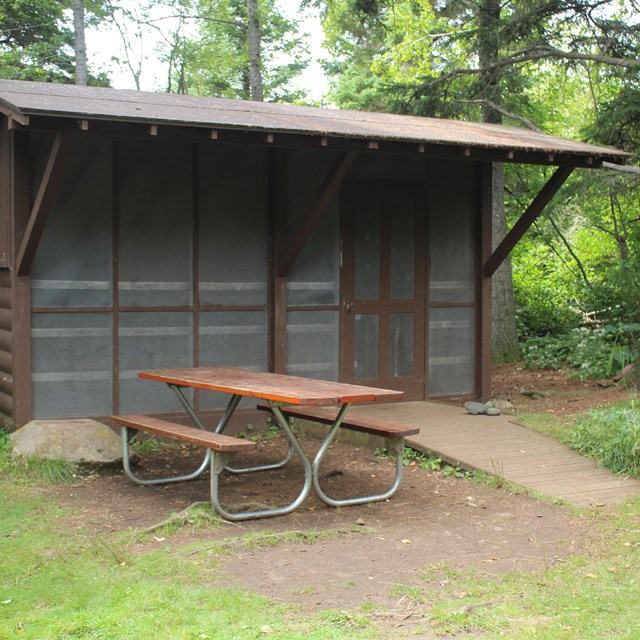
column 222, row 425
column 397, row 444
column 218, row 461
column 125, row 433
column 218, row 464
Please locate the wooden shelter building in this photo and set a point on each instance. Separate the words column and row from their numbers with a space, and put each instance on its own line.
column 143, row 230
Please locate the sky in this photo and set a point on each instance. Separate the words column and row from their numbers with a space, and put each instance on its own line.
column 105, row 44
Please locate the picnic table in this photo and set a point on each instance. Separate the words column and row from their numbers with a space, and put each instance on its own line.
column 286, row 397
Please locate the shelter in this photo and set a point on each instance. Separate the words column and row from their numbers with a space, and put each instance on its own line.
column 142, row 230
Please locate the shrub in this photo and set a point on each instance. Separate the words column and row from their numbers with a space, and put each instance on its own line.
column 591, row 352
column 612, row 437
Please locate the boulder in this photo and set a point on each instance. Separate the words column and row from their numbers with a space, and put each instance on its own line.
column 80, row 440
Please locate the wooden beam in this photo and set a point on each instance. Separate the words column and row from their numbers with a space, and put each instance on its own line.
column 288, row 254
column 13, row 117
column 526, row 220
column 45, row 197
column 484, row 363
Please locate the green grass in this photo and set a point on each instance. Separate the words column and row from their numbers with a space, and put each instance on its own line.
column 592, row 596
column 32, row 469
column 611, row 436
column 64, row 584
column 556, row 427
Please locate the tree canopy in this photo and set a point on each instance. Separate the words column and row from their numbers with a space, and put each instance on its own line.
column 565, row 67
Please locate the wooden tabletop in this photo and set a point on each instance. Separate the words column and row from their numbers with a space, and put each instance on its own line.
column 270, row 386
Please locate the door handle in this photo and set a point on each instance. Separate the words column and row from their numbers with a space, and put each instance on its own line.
column 347, row 306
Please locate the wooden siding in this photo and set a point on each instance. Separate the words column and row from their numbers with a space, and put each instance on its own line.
column 6, row 355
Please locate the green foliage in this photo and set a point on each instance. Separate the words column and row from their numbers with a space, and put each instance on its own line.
column 617, row 122
column 612, row 437
column 590, row 352
column 216, row 61
column 36, row 44
column 412, row 457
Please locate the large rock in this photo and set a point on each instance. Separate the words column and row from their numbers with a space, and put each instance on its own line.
column 80, row 440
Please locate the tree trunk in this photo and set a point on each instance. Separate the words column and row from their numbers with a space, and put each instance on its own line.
column 505, row 337
column 255, row 63
column 80, row 44
column 504, row 345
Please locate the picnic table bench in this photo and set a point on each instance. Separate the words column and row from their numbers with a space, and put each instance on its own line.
column 286, row 397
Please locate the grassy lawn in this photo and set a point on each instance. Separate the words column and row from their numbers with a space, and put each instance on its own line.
column 60, row 584
column 594, row 595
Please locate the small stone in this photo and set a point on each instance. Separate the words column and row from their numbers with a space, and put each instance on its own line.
column 493, row 411
column 503, row 405
column 475, row 408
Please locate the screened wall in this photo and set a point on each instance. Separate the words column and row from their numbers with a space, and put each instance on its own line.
column 158, row 254
column 155, row 255
column 453, row 234
column 313, row 286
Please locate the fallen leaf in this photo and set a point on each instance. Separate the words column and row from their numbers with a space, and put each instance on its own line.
column 266, row 629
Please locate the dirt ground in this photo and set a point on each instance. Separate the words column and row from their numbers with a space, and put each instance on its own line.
column 433, row 528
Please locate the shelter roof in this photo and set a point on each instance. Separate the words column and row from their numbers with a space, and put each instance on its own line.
column 25, row 102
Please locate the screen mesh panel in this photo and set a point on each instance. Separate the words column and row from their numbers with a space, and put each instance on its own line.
column 452, row 228
column 367, row 340
column 402, row 337
column 73, row 263
column 402, row 249
column 451, row 351
column 367, row 250
column 312, row 344
column 314, row 277
column 72, row 364
column 233, row 338
column 156, row 213
column 152, row 340
column 233, row 211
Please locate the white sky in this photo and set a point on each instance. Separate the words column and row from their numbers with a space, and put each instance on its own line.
column 104, row 44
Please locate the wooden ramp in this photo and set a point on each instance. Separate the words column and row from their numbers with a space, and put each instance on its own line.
column 500, row 447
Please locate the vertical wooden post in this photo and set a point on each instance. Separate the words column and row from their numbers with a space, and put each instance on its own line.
column 484, row 306
column 21, row 289
column 279, row 284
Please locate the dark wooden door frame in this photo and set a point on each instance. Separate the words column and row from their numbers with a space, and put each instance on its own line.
column 385, row 307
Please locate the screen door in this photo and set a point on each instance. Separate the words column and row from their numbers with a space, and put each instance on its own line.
column 383, row 288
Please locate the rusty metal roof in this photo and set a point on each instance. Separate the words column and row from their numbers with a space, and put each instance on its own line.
column 22, row 100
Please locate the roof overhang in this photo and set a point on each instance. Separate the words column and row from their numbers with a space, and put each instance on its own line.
column 61, row 108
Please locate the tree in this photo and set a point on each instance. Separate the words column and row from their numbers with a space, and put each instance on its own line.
column 476, row 59
column 80, row 45
column 241, row 49
column 254, row 37
column 35, row 42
